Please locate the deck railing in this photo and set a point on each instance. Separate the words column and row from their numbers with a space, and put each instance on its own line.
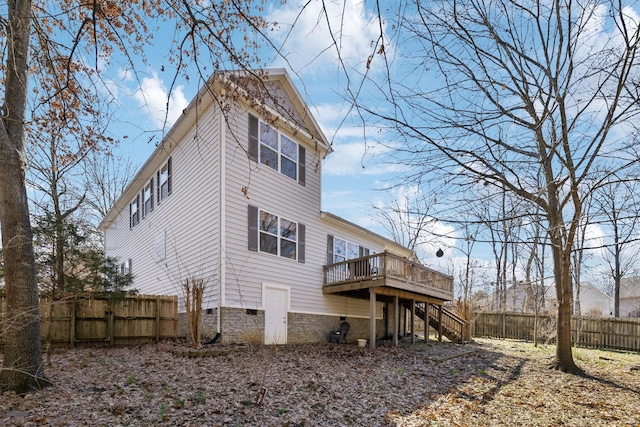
column 388, row 266
column 460, row 328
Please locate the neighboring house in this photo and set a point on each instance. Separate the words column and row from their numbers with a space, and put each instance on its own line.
column 522, row 298
column 594, row 302
column 630, row 297
column 232, row 195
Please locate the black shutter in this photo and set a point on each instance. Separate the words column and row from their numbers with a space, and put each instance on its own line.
column 360, row 251
column 130, row 266
column 301, row 165
column 329, row 249
column 158, row 189
column 301, row 233
column 169, row 176
column 253, row 138
column 130, row 217
column 253, row 228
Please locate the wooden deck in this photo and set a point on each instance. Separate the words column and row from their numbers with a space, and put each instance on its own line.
column 387, row 275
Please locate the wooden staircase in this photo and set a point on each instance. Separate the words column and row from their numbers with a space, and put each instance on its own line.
column 453, row 327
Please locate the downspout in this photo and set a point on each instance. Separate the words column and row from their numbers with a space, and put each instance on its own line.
column 222, row 237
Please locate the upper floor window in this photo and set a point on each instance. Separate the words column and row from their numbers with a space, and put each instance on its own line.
column 278, row 152
column 134, row 212
column 272, row 148
column 275, row 235
column 164, row 179
column 147, row 198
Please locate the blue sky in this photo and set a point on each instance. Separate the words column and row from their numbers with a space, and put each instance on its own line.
column 356, row 175
column 353, row 176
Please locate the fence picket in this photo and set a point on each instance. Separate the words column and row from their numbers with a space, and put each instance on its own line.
column 610, row 333
column 94, row 319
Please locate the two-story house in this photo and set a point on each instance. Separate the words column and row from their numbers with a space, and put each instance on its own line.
column 232, row 196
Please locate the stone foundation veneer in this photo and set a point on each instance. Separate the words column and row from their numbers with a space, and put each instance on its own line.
column 242, row 326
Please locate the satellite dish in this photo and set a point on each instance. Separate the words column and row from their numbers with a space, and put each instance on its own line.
column 439, row 253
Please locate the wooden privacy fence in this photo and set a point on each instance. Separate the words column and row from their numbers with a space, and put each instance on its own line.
column 611, row 333
column 100, row 320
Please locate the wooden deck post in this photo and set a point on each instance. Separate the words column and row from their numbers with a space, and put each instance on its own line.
column 440, row 323
column 427, row 327
column 372, row 318
column 395, row 320
column 413, row 322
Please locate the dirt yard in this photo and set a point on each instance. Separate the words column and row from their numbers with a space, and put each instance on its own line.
column 485, row 383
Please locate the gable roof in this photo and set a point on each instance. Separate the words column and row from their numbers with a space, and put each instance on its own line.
column 253, row 89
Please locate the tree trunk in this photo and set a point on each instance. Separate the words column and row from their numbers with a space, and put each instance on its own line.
column 562, row 274
column 22, row 369
column 22, row 365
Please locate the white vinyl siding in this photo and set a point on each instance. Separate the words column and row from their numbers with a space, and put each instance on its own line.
column 182, row 238
column 174, row 243
column 275, row 193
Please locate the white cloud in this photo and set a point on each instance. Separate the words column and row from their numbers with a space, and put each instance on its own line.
column 307, row 34
column 358, row 158
column 125, row 75
column 152, row 96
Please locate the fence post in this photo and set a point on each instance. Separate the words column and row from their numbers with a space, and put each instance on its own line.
column 110, row 330
column 72, row 322
column 601, row 333
column 157, row 319
column 504, row 325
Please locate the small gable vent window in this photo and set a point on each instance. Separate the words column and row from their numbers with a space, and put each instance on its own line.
column 275, row 150
column 126, row 267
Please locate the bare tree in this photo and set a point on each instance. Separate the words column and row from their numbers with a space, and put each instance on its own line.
column 471, row 270
column 408, row 218
column 616, row 202
column 22, row 362
column 73, row 42
column 107, row 176
column 501, row 94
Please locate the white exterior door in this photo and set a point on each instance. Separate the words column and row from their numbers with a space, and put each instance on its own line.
column 275, row 315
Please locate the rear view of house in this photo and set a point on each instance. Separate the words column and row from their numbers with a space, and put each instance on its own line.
column 232, row 196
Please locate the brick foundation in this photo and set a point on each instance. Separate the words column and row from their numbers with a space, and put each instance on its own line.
column 247, row 326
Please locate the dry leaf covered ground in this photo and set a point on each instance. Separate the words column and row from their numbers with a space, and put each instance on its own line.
column 485, row 383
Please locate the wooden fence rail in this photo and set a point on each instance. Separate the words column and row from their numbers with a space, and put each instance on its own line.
column 611, row 333
column 99, row 320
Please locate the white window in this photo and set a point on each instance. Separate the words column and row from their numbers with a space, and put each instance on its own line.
column 278, row 152
column 134, row 214
column 344, row 250
column 147, row 198
column 278, row 236
column 275, row 235
column 164, row 181
column 125, row 267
